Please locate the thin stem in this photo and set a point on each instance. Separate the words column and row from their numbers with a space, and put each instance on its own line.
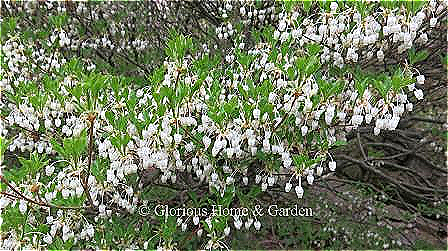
column 286, row 114
column 91, row 118
column 19, row 195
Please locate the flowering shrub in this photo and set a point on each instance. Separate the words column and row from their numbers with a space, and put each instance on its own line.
column 88, row 130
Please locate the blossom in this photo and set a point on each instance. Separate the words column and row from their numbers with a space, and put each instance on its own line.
column 376, row 131
column 299, row 191
column 329, row 114
column 48, row 239
column 22, row 206
column 271, row 181
column 333, row 6
column 237, row 223
column 332, row 166
column 420, row 79
column 288, row 187
column 49, row 170
column 433, row 22
column 177, row 138
column 248, row 223
column 380, row 55
column 276, row 34
column 264, row 186
column 282, row 25
column 227, row 231
column 214, row 177
column 195, row 220
column 304, row 130
column 156, row 128
column 256, row 114
column 242, row 11
column 199, row 232
column 418, row 94
column 310, row 179
column 206, row 140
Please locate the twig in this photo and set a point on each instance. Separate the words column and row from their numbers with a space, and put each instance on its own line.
column 397, row 184
column 91, row 118
column 409, row 170
column 429, row 120
column 360, row 146
column 21, row 196
column 443, row 170
column 286, row 114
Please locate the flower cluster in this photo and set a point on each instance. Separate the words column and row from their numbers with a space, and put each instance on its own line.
column 263, row 114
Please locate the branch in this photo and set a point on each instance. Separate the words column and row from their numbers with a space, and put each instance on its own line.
column 91, row 118
column 20, row 195
column 398, row 184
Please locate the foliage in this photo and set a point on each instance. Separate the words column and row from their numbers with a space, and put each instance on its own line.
column 98, row 121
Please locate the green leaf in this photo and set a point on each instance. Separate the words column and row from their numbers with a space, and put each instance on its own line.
column 166, row 92
column 231, row 108
column 313, row 49
column 110, row 116
column 12, row 23
column 415, row 57
column 99, row 169
column 58, row 148
column 77, row 91
column 312, row 66
column 307, row 5
column 131, row 102
column 361, row 85
column 338, row 143
column 193, row 196
column 34, row 164
column 261, row 155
